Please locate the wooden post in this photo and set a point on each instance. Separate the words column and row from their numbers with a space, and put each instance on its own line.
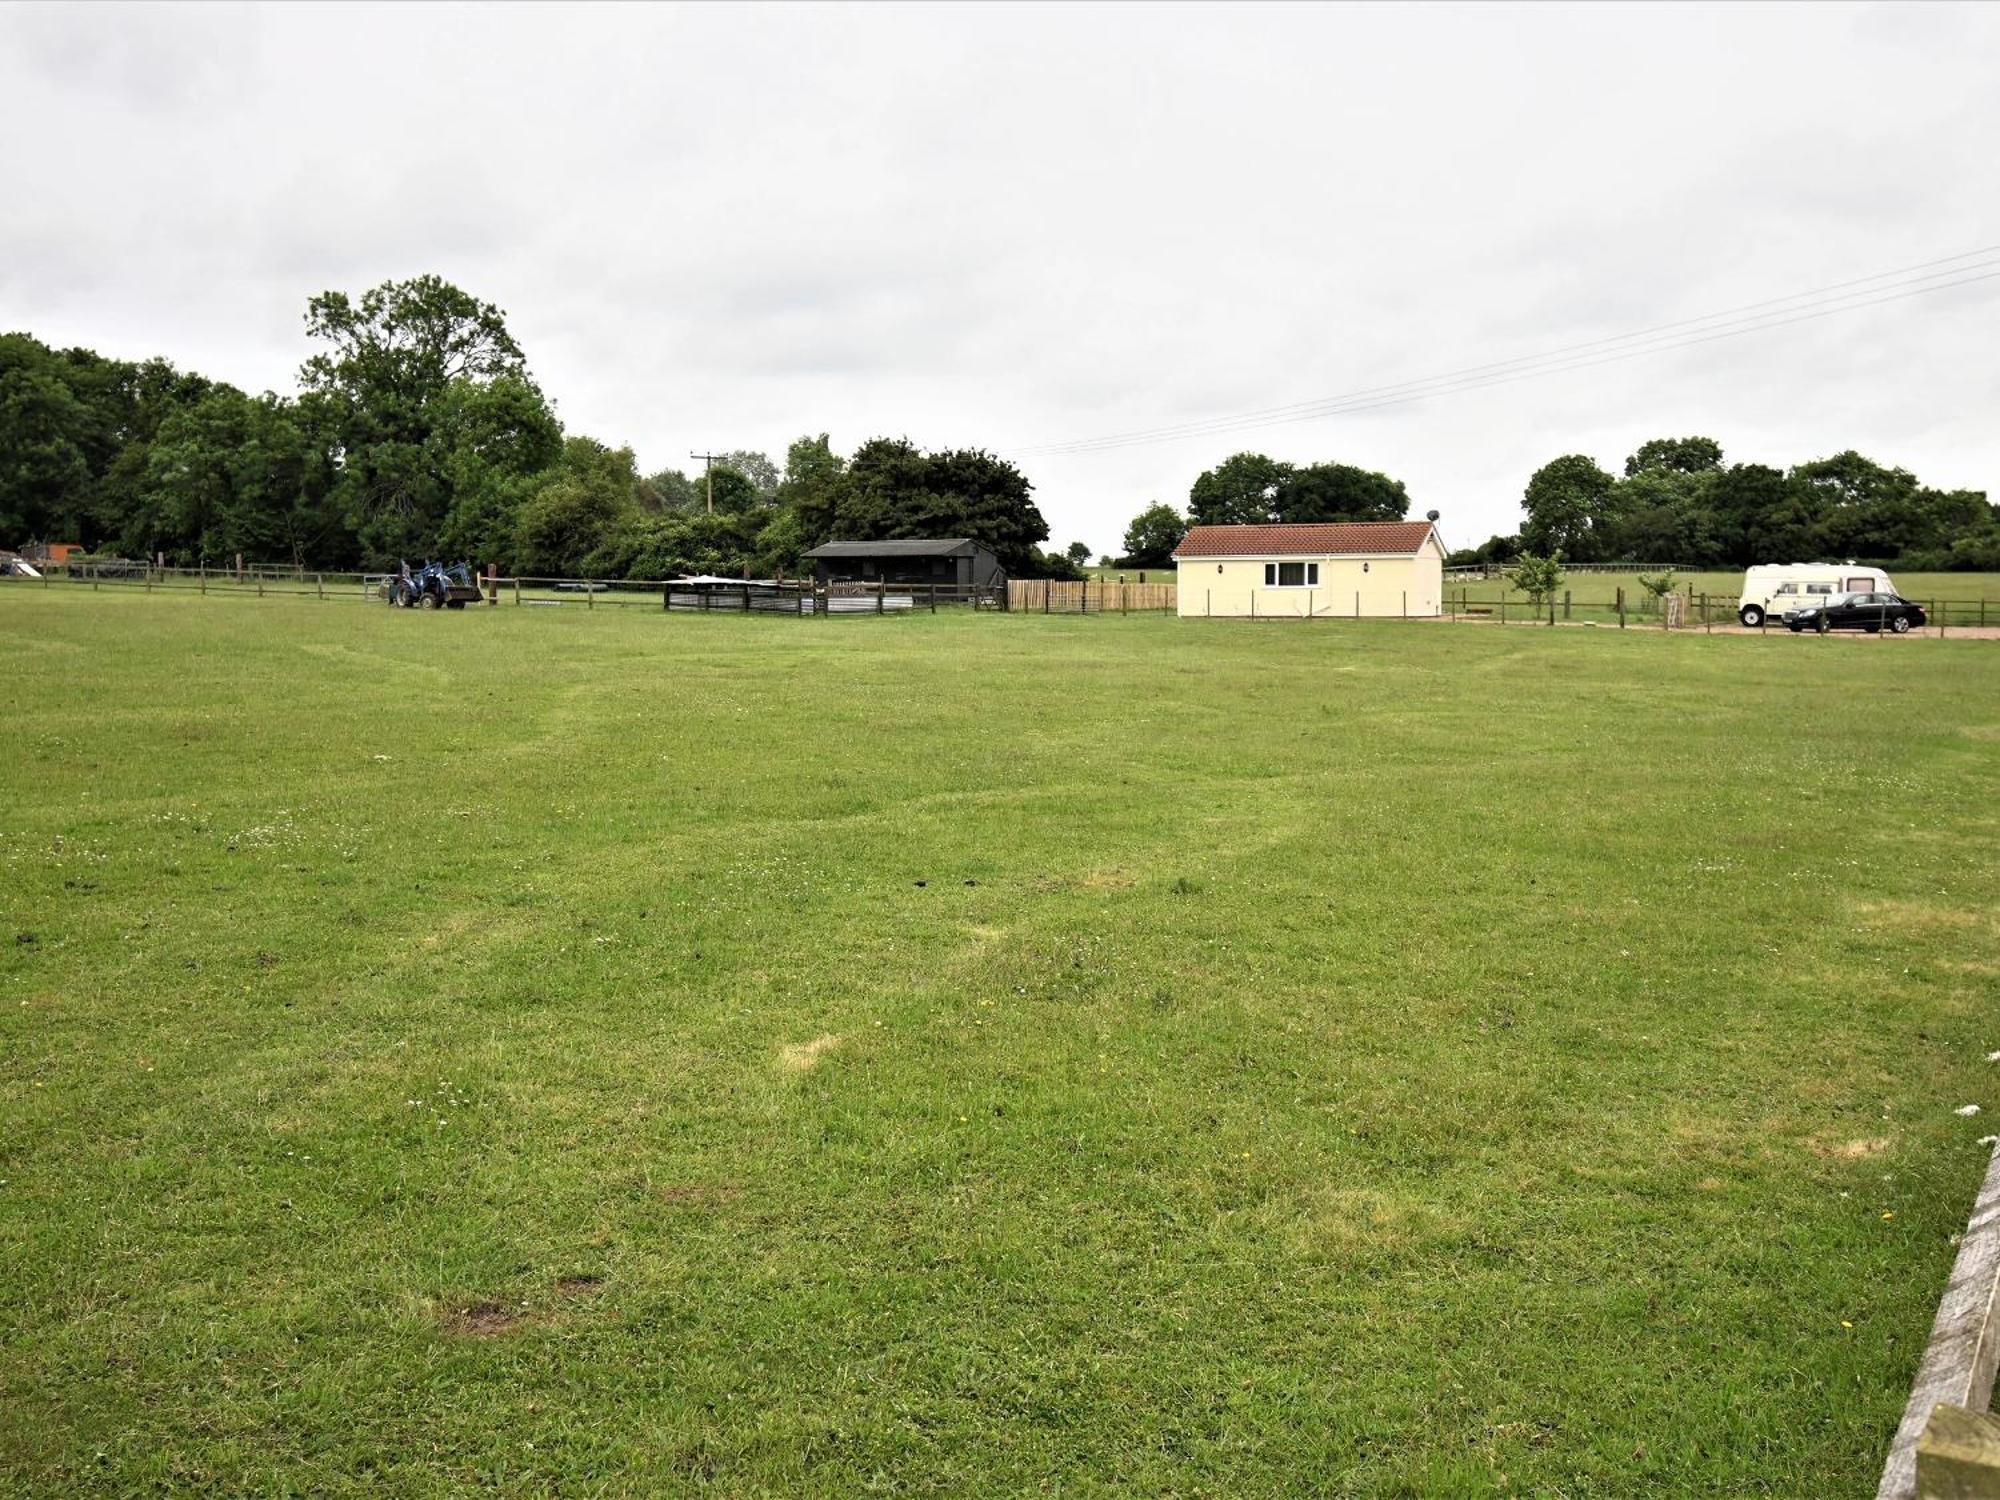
column 239, row 567
column 517, row 593
column 1357, row 604
column 1566, row 604
column 933, row 598
column 1621, row 606
column 1503, row 606
column 1045, row 596
column 204, row 575
column 1207, row 600
column 589, row 595
column 1121, row 596
column 666, row 597
column 1406, row 604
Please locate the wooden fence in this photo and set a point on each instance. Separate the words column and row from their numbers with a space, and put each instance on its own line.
column 1948, row 1443
column 1098, row 596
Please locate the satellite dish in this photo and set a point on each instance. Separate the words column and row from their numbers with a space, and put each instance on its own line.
column 1430, row 515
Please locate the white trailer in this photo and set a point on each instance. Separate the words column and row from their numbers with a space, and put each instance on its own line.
column 1773, row 588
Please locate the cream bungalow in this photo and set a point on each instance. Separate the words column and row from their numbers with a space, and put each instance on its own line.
column 1335, row 569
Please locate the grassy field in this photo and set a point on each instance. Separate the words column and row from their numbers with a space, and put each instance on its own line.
column 602, row 1053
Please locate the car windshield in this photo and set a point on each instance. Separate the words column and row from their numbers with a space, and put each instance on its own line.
column 1839, row 599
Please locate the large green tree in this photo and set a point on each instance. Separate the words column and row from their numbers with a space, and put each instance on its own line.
column 404, row 363
column 1567, row 502
column 1338, row 492
column 896, row 489
column 1242, row 490
column 1687, row 455
column 1151, row 537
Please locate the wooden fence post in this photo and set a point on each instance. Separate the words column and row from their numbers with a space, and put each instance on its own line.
column 517, row 593
column 1357, row 604
column 1621, row 607
column 1406, row 604
column 1566, row 601
column 589, row 595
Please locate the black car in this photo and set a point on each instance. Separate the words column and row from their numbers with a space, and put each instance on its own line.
column 1869, row 612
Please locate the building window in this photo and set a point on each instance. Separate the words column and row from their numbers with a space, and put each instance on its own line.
column 1298, row 575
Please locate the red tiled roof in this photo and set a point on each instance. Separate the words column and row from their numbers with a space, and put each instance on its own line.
column 1326, row 539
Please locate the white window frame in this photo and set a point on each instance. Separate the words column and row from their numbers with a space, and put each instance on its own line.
column 1309, row 572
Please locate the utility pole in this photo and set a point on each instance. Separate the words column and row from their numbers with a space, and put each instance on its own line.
column 709, row 459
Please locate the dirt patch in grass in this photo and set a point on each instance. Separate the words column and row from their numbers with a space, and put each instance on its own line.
column 481, row 1320
column 580, row 1286
column 797, row 1057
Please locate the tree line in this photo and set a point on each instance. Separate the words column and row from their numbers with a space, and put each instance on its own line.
column 419, row 432
column 1677, row 502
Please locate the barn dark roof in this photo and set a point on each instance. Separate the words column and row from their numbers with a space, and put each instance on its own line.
column 902, row 547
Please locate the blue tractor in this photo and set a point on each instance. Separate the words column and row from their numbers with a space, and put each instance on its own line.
column 433, row 586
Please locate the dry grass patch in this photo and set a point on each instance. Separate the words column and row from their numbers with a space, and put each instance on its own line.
column 1855, row 1150
column 798, row 1057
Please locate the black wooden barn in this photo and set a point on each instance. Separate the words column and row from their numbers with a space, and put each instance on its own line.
column 952, row 561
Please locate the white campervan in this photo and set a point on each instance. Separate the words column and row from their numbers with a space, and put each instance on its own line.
column 1773, row 588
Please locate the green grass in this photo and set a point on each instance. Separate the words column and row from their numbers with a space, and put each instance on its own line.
column 977, row 1056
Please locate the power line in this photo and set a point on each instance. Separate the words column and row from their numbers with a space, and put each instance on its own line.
column 1867, row 291
column 1359, row 403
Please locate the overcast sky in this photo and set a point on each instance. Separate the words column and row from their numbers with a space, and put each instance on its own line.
column 1020, row 225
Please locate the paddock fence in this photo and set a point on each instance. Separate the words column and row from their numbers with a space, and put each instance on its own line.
column 1682, row 610
column 797, row 597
